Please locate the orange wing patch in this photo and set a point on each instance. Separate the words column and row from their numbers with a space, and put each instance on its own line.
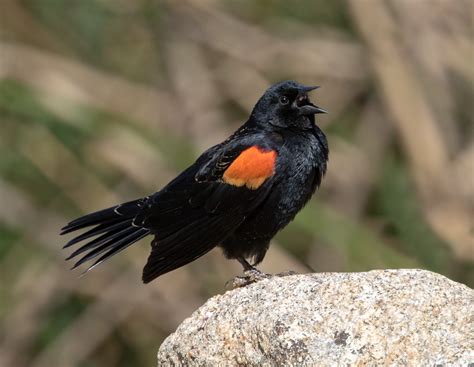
column 251, row 168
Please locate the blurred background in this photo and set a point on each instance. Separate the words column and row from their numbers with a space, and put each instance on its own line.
column 104, row 101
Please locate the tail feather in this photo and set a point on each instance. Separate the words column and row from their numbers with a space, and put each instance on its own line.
column 120, row 246
column 107, row 237
column 103, row 216
column 71, row 227
column 113, row 230
column 115, row 241
column 101, row 228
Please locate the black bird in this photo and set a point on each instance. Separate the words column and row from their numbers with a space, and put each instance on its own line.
column 237, row 195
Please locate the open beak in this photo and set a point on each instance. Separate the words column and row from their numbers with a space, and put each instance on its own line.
column 303, row 104
column 311, row 109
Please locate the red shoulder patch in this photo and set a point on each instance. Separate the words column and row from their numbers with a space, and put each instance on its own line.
column 251, row 168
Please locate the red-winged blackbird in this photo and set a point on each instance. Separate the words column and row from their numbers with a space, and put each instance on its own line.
column 237, row 195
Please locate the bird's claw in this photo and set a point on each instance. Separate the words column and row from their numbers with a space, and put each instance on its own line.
column 253, row 276
column 250, row 276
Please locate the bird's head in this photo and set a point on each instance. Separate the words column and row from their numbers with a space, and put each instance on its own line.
column 286, row 105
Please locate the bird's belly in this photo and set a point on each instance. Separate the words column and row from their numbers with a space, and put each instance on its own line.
column 277, row 211
column 298, row 173
column 252, row 237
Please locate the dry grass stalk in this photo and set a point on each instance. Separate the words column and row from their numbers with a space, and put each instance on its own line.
column 421, row 136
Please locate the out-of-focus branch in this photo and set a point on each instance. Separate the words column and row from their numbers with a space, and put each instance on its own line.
column 56, row 78
column 422, row 139
column 93, row 326
column 250, row 45
column 25, row 319
column 197, row 91
column 354, row 166
column 39, row 145
column 19, row 24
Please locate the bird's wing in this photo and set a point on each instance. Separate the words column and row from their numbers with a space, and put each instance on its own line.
column 205, row 204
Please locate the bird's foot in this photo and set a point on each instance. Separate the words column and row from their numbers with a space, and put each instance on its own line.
column 250, row 276
column 254, row 275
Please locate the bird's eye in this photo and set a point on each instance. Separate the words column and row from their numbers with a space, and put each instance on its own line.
column 284, row 100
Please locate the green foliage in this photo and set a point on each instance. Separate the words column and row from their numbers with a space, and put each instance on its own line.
column 19, row 103
column 65, row 310
column 397, row 204
column 82, row 23
column 320, row 12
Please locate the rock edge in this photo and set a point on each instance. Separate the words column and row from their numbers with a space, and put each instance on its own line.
column 408, row 317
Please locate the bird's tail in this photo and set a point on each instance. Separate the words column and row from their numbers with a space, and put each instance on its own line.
column 114, row 230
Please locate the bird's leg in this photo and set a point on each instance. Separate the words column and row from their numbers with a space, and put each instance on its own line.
column 251, row 275
column 246, row 265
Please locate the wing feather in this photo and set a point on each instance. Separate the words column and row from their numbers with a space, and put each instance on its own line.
column 199, row 209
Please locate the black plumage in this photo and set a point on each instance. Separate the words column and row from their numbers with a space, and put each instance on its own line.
column 237, row 195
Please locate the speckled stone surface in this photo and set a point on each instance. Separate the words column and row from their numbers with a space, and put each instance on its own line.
column 386, row 317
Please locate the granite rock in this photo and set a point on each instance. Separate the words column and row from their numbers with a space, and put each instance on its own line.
column 386, row 317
